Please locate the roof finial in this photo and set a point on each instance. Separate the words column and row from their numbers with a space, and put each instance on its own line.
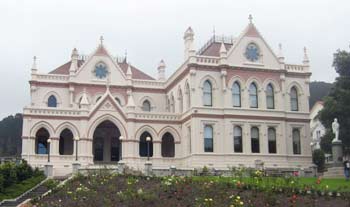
column 306, row 57
column 250, row 19
column 214, row 30
column 34, row 66
column 126, row 55
column 101, row 40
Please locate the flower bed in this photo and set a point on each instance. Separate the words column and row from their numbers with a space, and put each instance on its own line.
column 105, row 189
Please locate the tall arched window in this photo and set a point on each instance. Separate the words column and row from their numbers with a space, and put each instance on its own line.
column 237, row 139
column 172, row 104
column 66, row 143
column 296, row 141
column 52, row 101
column 254, row 133
column 143, row 145
column 270, row 97
column 271, row 136
column 207, row 94
column 146, row 106
column 294, row 99
column 253, row 96
column 168, row 145
column 208, row 138
column 41, row 145
column 236, row 94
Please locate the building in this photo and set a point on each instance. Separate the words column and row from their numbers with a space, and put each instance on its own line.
column 316, row 127
column 232, row 102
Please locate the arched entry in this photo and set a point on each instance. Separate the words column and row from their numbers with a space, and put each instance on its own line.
column 106, row 143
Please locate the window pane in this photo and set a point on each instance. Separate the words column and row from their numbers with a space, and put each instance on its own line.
column 272, row 140
column 208, row 139
column 207, row 93
column 253, row 96
column 255, row 140
column 52, row 101
column 296, row 141
column 294, row 99
column 270, row 97
column 236, row 94
column 237, row 139
column 146, row 106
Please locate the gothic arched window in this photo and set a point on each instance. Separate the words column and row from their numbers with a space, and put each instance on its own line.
column 270, row 97
column 253, row 95
column 294, row 99
column 207, row 94
column 143, row 145
column 168, row 145
column 52, row 101
column 208, row 138
column 236, row 94
column 146, row 106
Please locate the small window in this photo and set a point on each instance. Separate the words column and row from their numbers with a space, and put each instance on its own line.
column 207, row 94
column 294, row 99
column 271, row 133
column 270, row 97
column 296, row 141
column 254, row 132
column 208, row 139
column 236, row 94
column 253, row 96
column 237, row 139
column 52, row 101
column 146, row 106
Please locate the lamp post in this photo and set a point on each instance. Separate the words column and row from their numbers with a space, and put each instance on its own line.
column 48, row 149
column 76, row 148
column 148, row 139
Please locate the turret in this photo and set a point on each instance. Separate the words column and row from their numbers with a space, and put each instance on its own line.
column 306, row 61
column 161, row 70
column 223, row 54
column 189, row 43
column 34, row 66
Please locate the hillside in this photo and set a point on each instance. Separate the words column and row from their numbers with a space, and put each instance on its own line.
column 318, row 90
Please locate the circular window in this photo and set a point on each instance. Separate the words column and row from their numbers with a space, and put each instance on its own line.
column 101, row 70
column 252, row 52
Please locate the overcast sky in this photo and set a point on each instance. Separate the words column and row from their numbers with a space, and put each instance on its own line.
column 151, row 30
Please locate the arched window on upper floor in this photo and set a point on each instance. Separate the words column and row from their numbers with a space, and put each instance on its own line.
column 270, row 97
column 294, row 99
column 253, row 96
column 236, row 94
column 207, row 93
column 52, row 101
column 146, row 106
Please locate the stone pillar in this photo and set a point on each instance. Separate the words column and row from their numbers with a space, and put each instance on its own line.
column 337, row 152
column 76, row 167
column 48, row 170
column 148, row 168
column 157, row 148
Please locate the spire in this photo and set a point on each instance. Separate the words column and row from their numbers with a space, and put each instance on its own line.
column 161, row 70
column 131, row 103
column 129, row 72
column 280, row 53
column 223, row 54
column 74, row 61
column 84, row 102
column 250, row 19
column 101, row 40
column 34, row 66
column 189, row 43
column 306, row 57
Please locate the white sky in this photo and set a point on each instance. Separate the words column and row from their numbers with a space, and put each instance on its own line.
column 151, row 30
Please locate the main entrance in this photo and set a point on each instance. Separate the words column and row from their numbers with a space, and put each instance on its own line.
column 106, row 143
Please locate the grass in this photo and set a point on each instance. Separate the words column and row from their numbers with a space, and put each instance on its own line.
column 15, row 190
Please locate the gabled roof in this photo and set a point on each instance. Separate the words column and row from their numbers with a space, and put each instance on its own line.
column 213, row 49
column 136, row 73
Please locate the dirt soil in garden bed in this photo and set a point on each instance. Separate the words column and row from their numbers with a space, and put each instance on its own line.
column 123, row 191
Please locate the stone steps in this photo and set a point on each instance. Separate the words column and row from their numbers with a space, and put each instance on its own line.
column 334, row 172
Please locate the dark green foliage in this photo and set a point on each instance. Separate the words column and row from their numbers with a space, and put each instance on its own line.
column 10, row 135
column 318, row 90
column 337, row 104
column 319, row 159
column 8, row 171
column 23, row 171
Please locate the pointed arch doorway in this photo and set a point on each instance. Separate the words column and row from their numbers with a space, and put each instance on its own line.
column 106, row 143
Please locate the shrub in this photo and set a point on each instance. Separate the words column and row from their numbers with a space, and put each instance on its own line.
column 23, row 171
column 1, row 183
column 318, row 158
column 8, row 171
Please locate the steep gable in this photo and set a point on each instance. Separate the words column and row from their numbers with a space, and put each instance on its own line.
column 236, row 54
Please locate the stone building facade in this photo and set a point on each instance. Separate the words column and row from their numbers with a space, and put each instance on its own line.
column 232, row 102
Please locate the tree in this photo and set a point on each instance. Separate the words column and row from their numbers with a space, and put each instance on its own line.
column 10, row 135
column 337, row 103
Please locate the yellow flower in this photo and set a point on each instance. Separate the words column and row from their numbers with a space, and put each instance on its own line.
column 238, row 197
column 241, row 203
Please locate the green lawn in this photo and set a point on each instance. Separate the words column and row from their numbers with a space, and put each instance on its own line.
column 17, row 189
